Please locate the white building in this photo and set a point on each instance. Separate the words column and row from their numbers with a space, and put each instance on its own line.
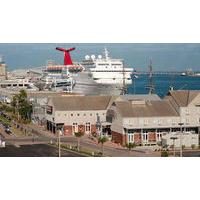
column 187, row 139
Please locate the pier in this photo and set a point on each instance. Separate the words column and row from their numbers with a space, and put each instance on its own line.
column 162, row 72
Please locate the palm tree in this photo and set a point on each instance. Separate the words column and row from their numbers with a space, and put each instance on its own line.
column 102, row 140
column 130, row 146
column 78, row 135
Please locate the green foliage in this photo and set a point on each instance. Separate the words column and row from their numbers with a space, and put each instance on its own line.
column 193, row 146
column 130, row 145
column 102, row 140
column 21, row 105
column 78, row 134
column 164, row 154
column 5, row 121
column 183, row 146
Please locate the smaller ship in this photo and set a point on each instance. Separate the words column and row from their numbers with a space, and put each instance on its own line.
column 189, row 72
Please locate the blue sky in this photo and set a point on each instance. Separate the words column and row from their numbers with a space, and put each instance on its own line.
column 164, row 56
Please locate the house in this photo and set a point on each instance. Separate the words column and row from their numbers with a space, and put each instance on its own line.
column 141, row 121
column 187, row 104
column 77, row 113
column 145, row 120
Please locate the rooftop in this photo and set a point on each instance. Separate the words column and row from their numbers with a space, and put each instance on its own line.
column 79, row 103
column 182, row 97
column 156, row 108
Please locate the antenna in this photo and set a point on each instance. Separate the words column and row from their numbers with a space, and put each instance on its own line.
column 150, row 86
column 106, row 53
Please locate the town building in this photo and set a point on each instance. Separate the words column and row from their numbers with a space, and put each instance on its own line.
column 145, row 121
column 141, row 121
column 186, row 139
column 187, row 104
column 77, row 113
column 39, row 100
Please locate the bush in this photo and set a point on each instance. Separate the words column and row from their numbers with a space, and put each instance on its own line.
column 164, row 154
column 183, row 146
column 193, row 146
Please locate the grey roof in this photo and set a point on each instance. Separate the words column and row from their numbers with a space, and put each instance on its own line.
column 72, row 103
column 160, row 108
column 182, row 97
column 48, row 94
column 138, row 96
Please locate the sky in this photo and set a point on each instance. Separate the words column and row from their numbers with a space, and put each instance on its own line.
column 166, row 56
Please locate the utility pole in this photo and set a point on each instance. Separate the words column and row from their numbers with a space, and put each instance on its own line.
column 181, row 132
column 17, row 106
column 150, row 85
column 174, row 138
column 59, row 150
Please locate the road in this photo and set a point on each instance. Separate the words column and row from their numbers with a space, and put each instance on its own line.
column 84, row 143
column 36, row 150
column 42, row 137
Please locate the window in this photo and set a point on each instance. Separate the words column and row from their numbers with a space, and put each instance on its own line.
column 146, row 122
column 84, row 114
column 71, row 114
column 87, row 127
column 145, row 136
column 78, row 114
column 159, row 121
column 173, row 121
column 75, row 127
column 90, row 114
column 130, row 138
column 187, row 111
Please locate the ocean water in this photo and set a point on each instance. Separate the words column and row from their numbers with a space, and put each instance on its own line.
column 163, row 83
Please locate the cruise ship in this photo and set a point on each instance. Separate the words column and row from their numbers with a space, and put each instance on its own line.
column 59, row 78
column 109, row 71
column 81, row 79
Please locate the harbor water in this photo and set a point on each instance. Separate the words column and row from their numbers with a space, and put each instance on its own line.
column 163, row 83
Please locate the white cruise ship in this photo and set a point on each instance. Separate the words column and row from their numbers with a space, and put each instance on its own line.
column 110, row 71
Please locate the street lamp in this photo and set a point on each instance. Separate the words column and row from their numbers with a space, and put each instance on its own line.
column 173, row 138
column 99, row 126
column 181, row 132
column 59, row 150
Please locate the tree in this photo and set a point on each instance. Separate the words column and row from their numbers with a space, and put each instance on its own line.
column 130, row 146
column 102, row 140
column 21, row 106
column 78, row 136
column 164, row 154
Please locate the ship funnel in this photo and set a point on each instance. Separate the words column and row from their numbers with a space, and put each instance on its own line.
column 67, row 56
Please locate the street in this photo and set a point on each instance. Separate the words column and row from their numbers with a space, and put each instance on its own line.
column 36, row 150
column 40, row 136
